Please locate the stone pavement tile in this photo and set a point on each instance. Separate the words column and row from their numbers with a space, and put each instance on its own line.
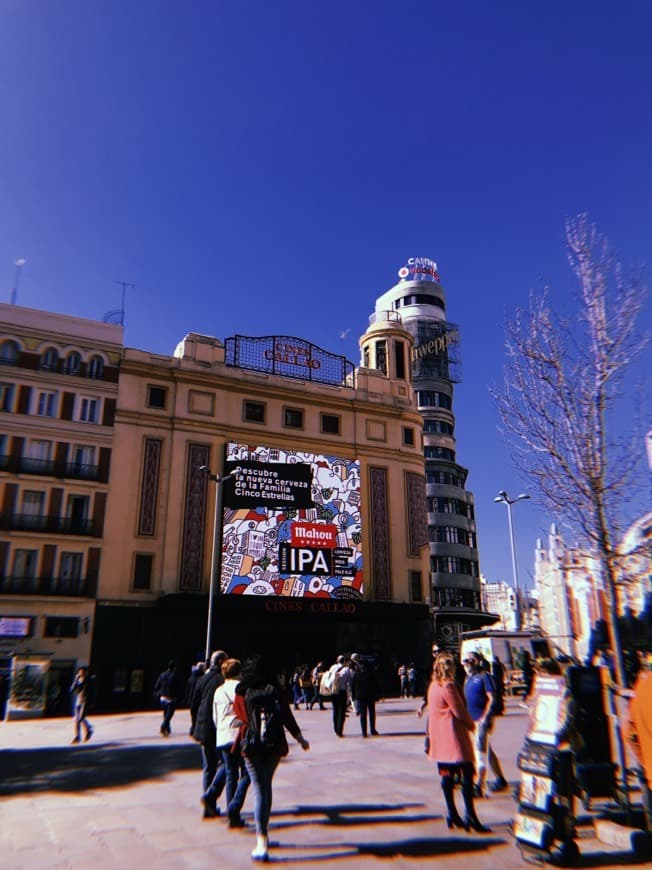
column 44, row 857
column 124, row 846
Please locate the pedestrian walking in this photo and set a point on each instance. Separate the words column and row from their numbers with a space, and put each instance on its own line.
column 166, row 690
column 80, row 690
column 316, row 676
column 227, row 728
column 480, row 694
column 340, row 679
column 201, row 710
column 449, row 742
column 365, row 691
column 412, row 680
column 403, row 680
column 197, row 672
column 263, row 708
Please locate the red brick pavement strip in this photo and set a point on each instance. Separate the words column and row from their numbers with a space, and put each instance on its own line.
column 130, row 799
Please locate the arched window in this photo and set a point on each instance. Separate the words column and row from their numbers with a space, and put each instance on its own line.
column 96, row 367
column 49, row 359
column 73, row 363
column 9, row 351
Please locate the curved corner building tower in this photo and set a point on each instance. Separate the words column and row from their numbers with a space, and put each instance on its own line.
column 454, row 570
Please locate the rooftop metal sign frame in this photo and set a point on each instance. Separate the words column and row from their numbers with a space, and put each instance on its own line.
column 289, row 357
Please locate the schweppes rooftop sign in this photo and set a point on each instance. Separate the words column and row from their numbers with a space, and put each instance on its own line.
column 419, row 269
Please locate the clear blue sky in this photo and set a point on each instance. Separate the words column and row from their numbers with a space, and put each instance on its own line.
column 262, row 167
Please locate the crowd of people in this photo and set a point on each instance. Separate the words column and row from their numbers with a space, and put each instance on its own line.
column 240, row 713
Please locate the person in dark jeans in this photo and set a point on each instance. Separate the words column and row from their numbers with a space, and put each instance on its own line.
column 201, row 712
column 365, row 692
column 167, row 691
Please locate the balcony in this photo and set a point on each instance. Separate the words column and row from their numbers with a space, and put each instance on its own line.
column 77, row 587
column 44, row 523
column 50, row 468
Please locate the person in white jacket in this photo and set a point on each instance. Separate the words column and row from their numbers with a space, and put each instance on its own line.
column 227, row 726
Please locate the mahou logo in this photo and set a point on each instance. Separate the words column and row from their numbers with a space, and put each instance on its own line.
column 315, row 535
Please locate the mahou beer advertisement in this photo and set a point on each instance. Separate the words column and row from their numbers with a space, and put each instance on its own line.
column 291, row 524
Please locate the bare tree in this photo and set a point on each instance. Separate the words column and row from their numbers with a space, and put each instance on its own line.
column 562, row 383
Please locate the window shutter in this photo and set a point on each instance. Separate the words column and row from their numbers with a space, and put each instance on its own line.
column 109, row 412
column 67, row 405
column 105, row 464
column 24, row 396
column 99, row 509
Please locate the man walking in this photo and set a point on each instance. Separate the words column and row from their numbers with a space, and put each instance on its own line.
column 480, row 694
column 365, row 692
column 201, row 713
column 166, row 689
column 341, row 682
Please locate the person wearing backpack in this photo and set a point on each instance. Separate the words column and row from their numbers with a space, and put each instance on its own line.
column 262, row 706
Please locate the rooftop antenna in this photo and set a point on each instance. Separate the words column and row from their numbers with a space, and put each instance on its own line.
column 124, row 285
column 343, row 335
column 14, row 292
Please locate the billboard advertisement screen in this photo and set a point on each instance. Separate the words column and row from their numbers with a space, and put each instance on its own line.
column 291, row 524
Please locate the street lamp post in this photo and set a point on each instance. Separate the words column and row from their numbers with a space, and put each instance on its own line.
column 505, row 499
column 216, row 553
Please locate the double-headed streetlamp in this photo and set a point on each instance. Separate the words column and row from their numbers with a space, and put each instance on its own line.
column 216, row 554
column 505, row 499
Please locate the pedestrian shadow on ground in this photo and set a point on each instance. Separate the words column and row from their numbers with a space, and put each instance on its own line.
column 350, row 815
column 613, row 859
column 418, row 848
column 25, row 771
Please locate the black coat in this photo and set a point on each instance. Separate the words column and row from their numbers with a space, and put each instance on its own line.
column 201, row 707
column 365, row 685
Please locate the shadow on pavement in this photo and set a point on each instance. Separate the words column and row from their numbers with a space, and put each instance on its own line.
column 427, row 848
column 26, row 771
column 610, row 859
column 349, row 815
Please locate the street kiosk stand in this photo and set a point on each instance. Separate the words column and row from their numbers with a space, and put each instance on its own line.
column 567, row 753
column 546, row 813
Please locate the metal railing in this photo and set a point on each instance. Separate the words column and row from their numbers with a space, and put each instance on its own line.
column 44, row 523
column 79, row 587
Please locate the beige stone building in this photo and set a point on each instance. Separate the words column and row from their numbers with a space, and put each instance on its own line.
column 58, row 393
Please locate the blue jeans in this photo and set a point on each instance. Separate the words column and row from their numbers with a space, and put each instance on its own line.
column 237, row 779
column 213, row 772
column 261, row 771
column 168, row 707
column 80, row 719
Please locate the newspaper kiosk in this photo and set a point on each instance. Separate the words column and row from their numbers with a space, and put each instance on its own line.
column 545, row 821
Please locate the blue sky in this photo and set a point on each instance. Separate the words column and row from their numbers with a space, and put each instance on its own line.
column 260, row 167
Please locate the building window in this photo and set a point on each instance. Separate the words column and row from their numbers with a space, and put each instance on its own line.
column 408, row 436
column 70, row 567
column 24, row 564
column 32, row 504
column 72, row 365
column 46, row 405
column 96, row 367
column 431, row 452
column 399, row 358
column 254, row 412
column 438, row 426
column 78, row 513
column 293, row 418
column 433, row 399
column 9, row 351
column 330, row 424
column 416, row 590
column 89, row 409
column 143, row 572
column 49, row 359
column 82, row 457
column 157, row 397
column 381, row 356
column 61, row 626
column 6, row 397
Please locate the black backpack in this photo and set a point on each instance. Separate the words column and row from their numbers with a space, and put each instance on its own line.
column 264, row 733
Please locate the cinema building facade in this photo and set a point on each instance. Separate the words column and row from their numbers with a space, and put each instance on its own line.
column 320, row 542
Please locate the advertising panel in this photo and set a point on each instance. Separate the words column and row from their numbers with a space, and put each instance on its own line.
column 291, row 524
column 27, row 695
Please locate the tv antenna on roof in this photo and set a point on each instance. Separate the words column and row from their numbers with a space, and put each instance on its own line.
column 124, row 285
column 19, row 263
column 343, row 335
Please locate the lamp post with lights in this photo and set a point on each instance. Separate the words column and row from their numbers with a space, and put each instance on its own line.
column 505, row 499
column 216, row 553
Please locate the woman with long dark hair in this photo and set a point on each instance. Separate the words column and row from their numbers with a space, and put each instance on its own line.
column 261, row 704
column 450, row 746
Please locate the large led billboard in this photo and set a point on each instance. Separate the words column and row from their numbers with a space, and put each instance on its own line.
column 291, row 524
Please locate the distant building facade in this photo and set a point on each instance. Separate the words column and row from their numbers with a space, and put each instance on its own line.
column 58, row 393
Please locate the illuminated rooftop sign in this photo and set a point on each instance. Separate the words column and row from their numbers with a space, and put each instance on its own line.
column 419, row 269
column 287, row 356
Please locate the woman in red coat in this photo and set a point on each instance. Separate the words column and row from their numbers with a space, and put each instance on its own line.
column 449, row 730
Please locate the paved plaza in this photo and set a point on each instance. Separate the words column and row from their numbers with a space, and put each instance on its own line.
column 130, row 799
